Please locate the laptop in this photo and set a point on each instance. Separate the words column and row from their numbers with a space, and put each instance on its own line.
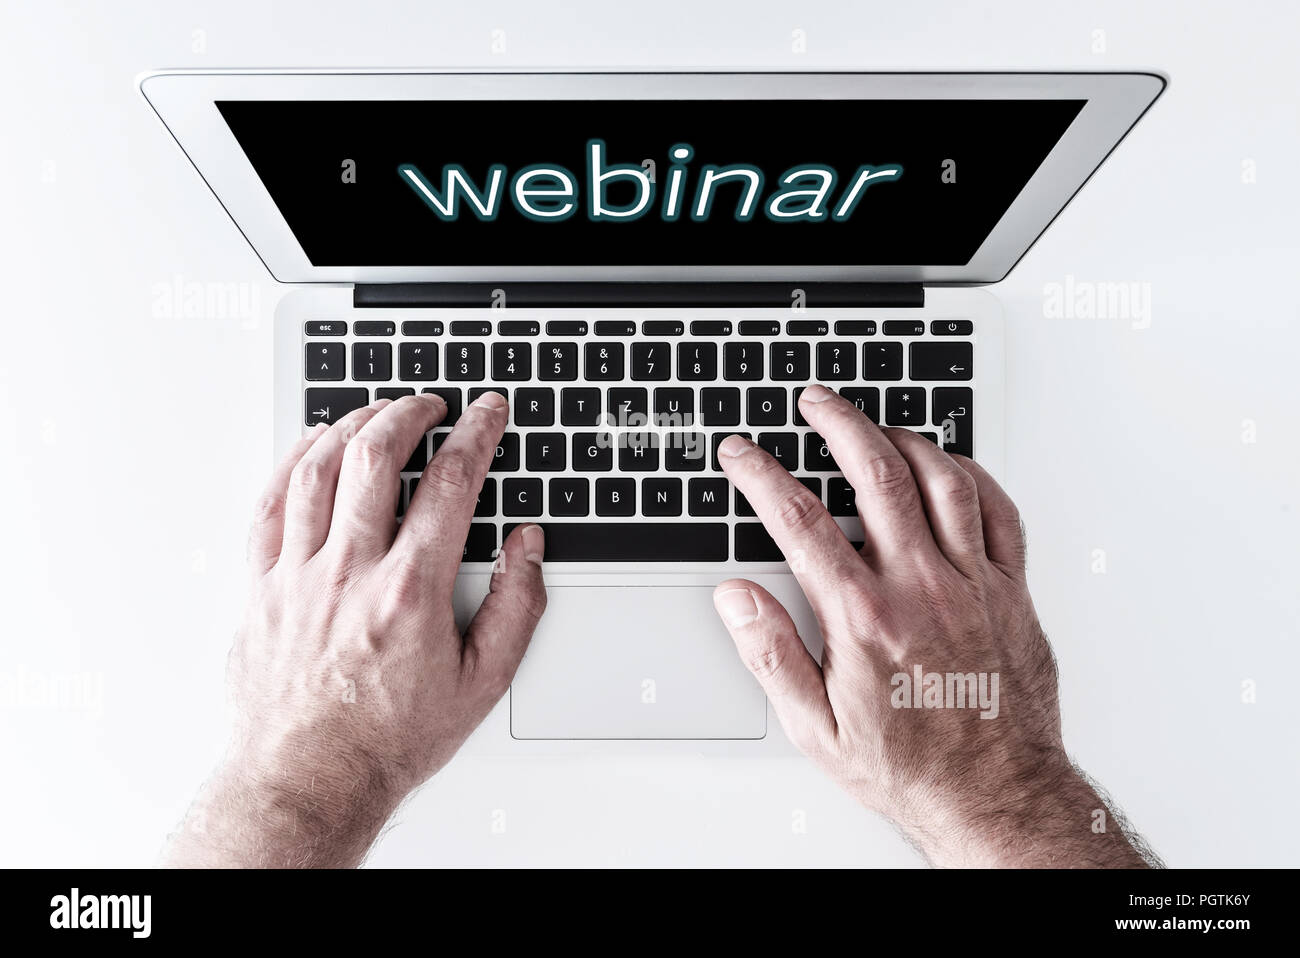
column 644, row 263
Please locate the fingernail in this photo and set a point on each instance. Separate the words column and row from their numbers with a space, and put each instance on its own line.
column 380, row 403
column 434, row 400
column 491, row 400
column 734, row 446
column 816, row 393
column 736, row 606
column 534, row 543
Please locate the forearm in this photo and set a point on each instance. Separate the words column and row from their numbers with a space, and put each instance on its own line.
column 246, row 820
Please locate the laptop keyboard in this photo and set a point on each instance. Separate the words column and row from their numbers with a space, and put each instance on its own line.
column 615, row 423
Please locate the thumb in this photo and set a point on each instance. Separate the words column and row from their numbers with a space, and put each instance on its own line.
column 769, row 645
column 501, row 629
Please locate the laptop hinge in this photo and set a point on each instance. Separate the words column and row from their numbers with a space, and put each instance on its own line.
column 578, row 295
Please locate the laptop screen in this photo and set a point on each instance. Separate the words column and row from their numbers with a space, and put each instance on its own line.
column 641, row 182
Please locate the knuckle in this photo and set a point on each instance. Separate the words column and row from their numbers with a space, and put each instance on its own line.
column 889, row 475
column 307, row 477
column 452, row 472
column 269, row 508
column 800, row 512
column 370, row 451
column 957, row 487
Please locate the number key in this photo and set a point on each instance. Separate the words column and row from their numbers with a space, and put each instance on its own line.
column 464, row 361
column 604, row 361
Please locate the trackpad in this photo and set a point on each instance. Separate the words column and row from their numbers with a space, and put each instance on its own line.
column 634, row 662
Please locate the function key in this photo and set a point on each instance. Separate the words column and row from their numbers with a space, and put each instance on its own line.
column 566, row 327
column 807, row 327
column 904, row 327
column 519, row 327
column 663, row 327
column 760, row 327
column 951, row 327
column 325, row 329
column 855, row 327
column 615, row 327
column 471, row 327
column 374, row 327
column 711, row 327
column 422, row 327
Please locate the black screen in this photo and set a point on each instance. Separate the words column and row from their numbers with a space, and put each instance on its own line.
column 933, row 178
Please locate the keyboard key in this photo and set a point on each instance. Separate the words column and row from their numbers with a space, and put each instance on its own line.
column 422, row 327
column 331, row 405
column 464, row 361
column 512, row 362
column 840, row 499
column 635, row 541
column 651, row 361
column 372, row 361
column 904, row 327
column 760, row 327
column 661, row 497
column 836, row 361
column 926, row 434
column 941, row 361
column 753, row 544
column 765, row 406
column 471, row 327
column 419, row 456
column 638, row 452
column 707, row 497
column 519, row 327
column 393, row 392
column 481, row 543
column 325, row 329
column 807, row 327
column 628, row 406
column 374, row 327
column 545, row 452
column 717, row 441
column 697, row 362
column 579, row 407
column 783, row 447
column 710, row 327
column 742, row 361
column 593, row 452
column 569, row 497
column 742, row 506
column 674, row 407
column 866, row 398
column 951, row 327
column 905, row 406
column 720, row 406
column 684, row 451
column 323, row 362
column 566, row 327
column 557, row 362
column 790, row 361
column 855, row 327
column 506, row 458
column 882, row 362
column 812, row 483
column 534, row 407
column 615, row 327
column 794, row 405
column 486, row 504
column 417, row 361
column 604, row 361
column 616, row 497
column 662, row 327
column 451, row 396
column 955, row 405
column 477, row 391
column 521, row 497
column 817, row 455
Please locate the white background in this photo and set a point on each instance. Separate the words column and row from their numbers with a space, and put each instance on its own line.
column 133, row 444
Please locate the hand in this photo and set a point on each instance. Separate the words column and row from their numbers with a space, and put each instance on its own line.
column 938, row 587
column 352, row 683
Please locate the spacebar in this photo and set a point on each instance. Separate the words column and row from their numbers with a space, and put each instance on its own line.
column 634, row 542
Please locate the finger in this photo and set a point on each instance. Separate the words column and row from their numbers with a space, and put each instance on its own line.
column 893, row 521
column 267, row 532
column 501, row 629
column 437, row 520
column 1004, row 533
column 365, row 513
column 309, row 504
column 950, row 498
column 770, row 646
column 819, row 555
